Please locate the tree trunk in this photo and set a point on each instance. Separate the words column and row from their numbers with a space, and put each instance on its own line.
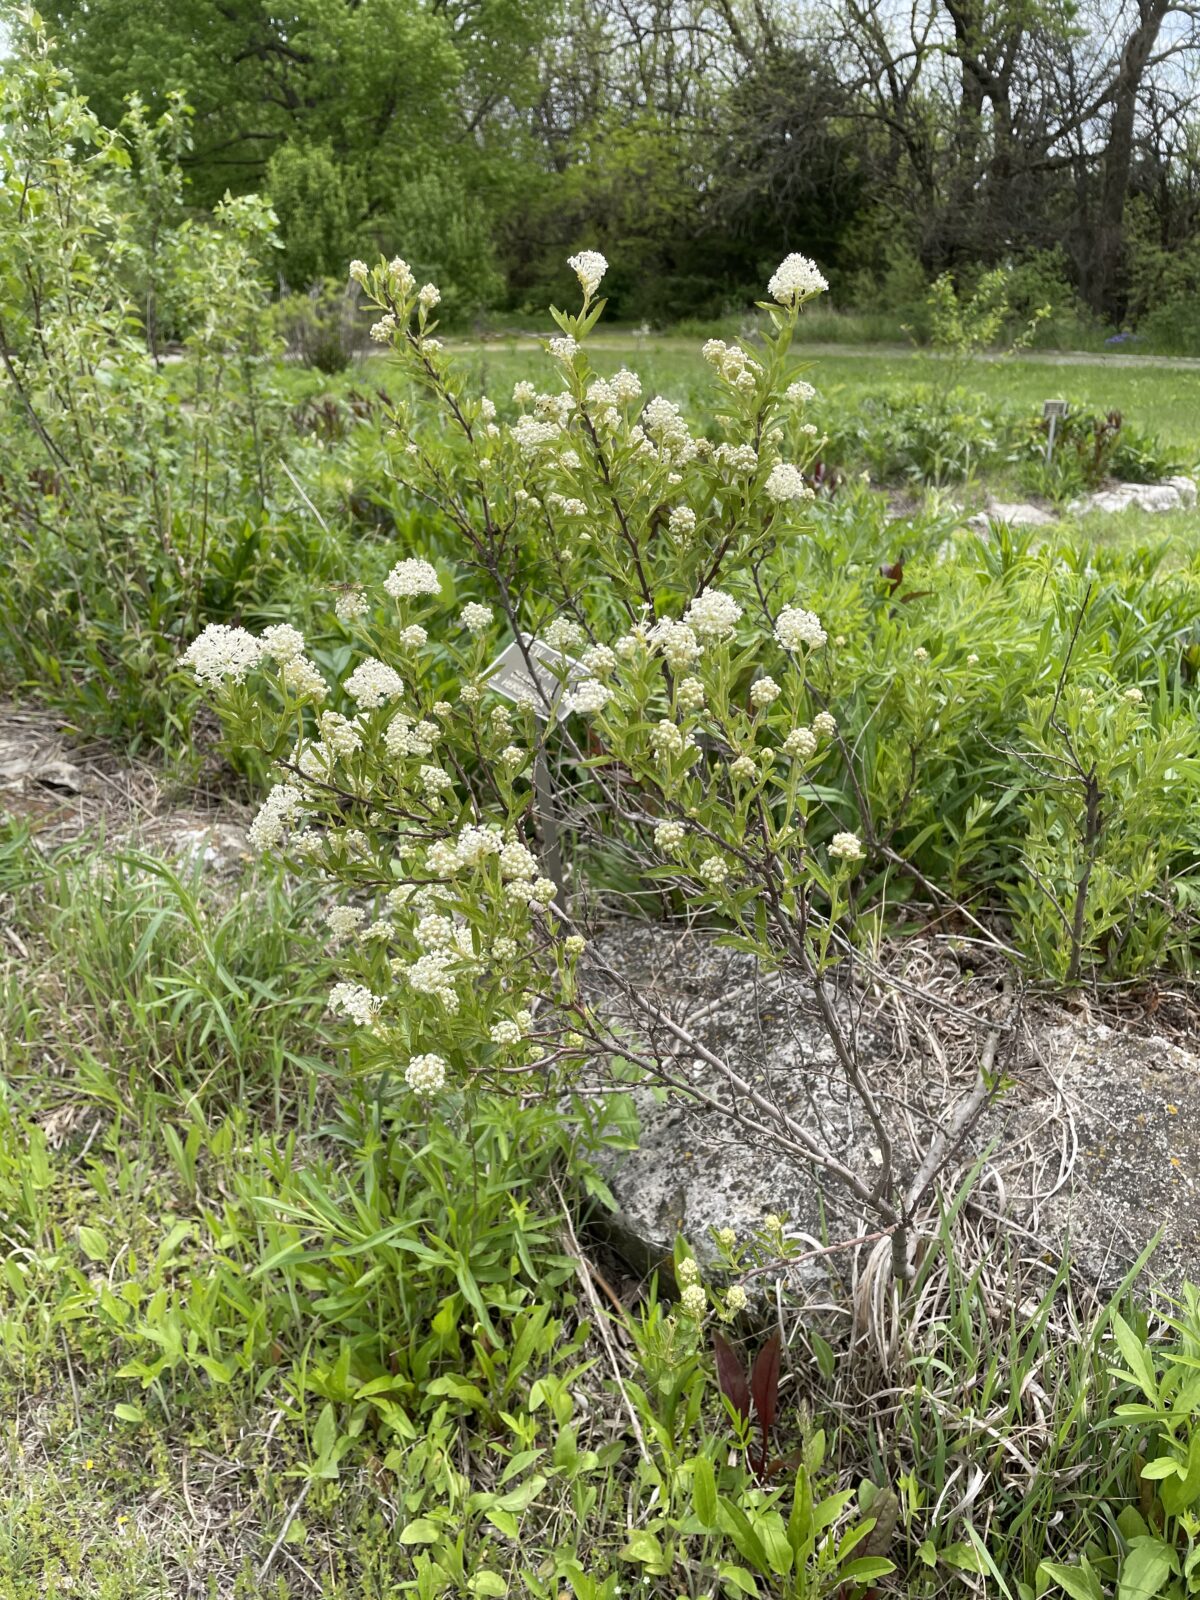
column 1104, row 281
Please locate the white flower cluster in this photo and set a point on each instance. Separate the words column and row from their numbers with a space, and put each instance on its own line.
column 425, row 1075
column 736, row 459
column 350, row 605
column 403, row 737
column 669, row 835
column 533, row 433
column 564, row 634
column 682, row 522
column 355, row 1001
column 763, row 691
column 280, row 809
column 590, row 695
column 800, row 744
column 665, row 425
column 476, row 619
column 796, row 627
column 846, row 847
column 343, row 921
column 735, row 366
column 410, row 578
column 712, row 614
column 589, row 266
column 221, row 652
column 431, row 974
column 373, row 682
column 800, row 393
column 626, row 387
column 795, row 279
column 678, row 643
column 786, row 482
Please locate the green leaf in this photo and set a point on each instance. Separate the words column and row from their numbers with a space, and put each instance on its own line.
column 505, row 1522
column 128, row 1412
column 738, row 1579
column 704, row 1493
column 643, row 1546
column 93, row 1244
column 1081, row 1583
column 488, row 1583
column 458, row 1389
column 1146, row 1567
column 1136, row 1357
column 1164, row 1467
column 420, row 1531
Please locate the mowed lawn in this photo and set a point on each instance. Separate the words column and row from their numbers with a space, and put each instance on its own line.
column 1154, row 394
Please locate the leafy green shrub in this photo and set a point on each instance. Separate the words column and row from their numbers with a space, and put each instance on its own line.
column 918, row 434
column 1089, row 450
column 321, row 327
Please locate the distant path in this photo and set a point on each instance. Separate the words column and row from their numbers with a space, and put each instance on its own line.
column 1044, row 358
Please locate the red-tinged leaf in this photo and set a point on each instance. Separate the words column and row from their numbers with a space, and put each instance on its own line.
column 893, row 573
column 764, row 1384
column 731, row 1377
column 913, row 594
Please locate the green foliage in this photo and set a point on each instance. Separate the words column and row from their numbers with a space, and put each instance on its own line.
column 317, row 206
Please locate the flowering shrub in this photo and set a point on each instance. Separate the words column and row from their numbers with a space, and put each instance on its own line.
column 684, row 689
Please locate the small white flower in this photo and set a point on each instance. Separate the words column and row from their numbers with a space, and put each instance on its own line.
column 425, row 1075
column 590, row 695
column 401, row 275
column 589, row 266
column 795, row 279
column 682, row 522
column 626, row 387
column 824, row 725
column 413, row 637
column 221, row 652
column 563, row 634
column 669, row 835
column 429, row 296
column 476, row 619
column 282, row 642
column 800, row 743
column 712, row 614
column 516, row 861
column 714, row 871
column 744, row 768
column 358, row 271
column 277, row 812
column 598, row 660
column 763, row 691
column 355, row 1001
column 564, row 348
column 505, row 1032
column 372, row 682
column 694, row 1301
column 786, row 482
column 846, row 847
column 735, row 1300
column 688, row 1270
column 1134, row 695
column 666, row 739
column 796, row 627
column 342, row 921
column 412, row 577
column 350, row 605
column 689, row 694
column 800, row 393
